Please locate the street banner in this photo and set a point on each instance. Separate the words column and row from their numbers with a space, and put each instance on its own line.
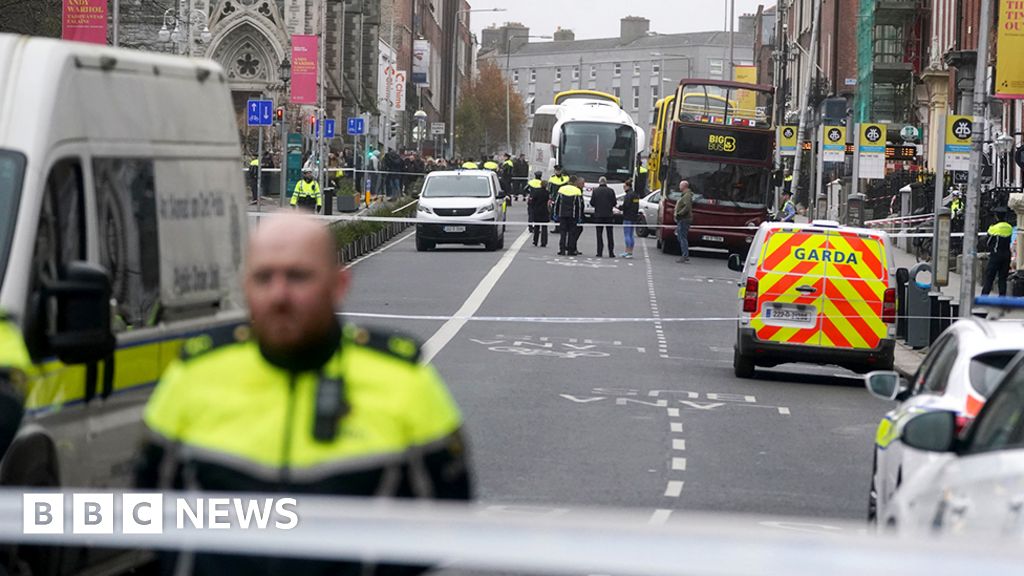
column 401, row 77
column 787, row 140
column 84, row 21
column 1009, row 48
column 959, row 131
column 834, row 144
column 421, row 63
column 305, row 56
column 747, row 99
column 871, row 149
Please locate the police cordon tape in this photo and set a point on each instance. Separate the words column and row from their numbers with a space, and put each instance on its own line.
column 453, row 221
column 516, row 538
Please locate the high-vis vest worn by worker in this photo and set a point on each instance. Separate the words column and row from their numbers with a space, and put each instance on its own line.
column 307, row 194
column 556, row 182
column 492, row 166
column 369, row 420
column 14, row 366
column 470, row 166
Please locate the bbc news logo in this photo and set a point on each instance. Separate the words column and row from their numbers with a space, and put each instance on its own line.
column 95, row 513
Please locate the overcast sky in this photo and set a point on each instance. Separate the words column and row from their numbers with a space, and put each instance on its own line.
column 600, row 18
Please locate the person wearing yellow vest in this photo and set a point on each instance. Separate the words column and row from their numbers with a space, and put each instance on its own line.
column 641, row 179
column 491, row 165
column 569, row 209
column 999, row 238
column 537, row 199
column 307, row 195
column 470, row 165
column 254, row 174
column 14, row 366
column 300, row 403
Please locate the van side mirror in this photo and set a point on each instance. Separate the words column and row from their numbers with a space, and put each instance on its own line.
column 931, row 431
column 735, row 263
column 81, row 300
column 885, row 384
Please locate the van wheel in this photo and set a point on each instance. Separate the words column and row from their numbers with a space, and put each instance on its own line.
column 742, row 365
column 423, row 245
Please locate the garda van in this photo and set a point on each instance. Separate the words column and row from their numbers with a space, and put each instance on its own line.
column 819, row 293
column 122, row 223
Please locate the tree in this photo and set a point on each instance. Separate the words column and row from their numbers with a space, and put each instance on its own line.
column 480, row 115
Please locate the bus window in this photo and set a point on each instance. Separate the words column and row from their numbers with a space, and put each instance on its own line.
column 543, row 124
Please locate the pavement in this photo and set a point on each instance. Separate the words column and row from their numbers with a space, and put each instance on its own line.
column 608, row 382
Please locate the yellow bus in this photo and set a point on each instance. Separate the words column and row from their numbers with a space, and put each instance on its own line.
column 662, row 119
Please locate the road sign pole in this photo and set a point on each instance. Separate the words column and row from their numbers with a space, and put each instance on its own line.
column 259, row 171
column 940, row 184
column 284, row 159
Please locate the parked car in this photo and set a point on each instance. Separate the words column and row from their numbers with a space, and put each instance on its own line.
column 454, row 207
column 649, row 209
column 959, row 373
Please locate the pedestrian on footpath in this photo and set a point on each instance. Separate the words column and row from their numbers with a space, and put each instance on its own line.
column 999, row 239
column 603, row 200
column 630, row 215
column 301, row 403
column 537, row 198
column 684, row 218
column 254, row 176
column 569, row 208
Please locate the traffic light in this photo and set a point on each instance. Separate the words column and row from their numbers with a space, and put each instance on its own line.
column 393, row 130
column 312, row 123
column 279, row 114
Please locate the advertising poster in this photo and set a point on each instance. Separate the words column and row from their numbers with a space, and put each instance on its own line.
column 304, row 69
column 1010, row 47
column 421, row 63
column 84, row 21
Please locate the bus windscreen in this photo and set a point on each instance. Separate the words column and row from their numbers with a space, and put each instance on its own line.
column 594, row 149
column 718, row 183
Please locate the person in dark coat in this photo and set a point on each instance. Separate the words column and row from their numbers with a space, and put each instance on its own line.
column 537, row 197
column 603, row 200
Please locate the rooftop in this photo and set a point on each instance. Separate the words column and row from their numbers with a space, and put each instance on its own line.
column 651, row 41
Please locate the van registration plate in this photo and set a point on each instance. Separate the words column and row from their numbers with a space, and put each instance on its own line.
column 789, row 315
column 454, row 229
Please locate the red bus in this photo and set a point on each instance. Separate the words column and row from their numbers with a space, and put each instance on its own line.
column 722, row 142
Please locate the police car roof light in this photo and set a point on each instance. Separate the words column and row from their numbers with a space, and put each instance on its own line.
column 826, row 223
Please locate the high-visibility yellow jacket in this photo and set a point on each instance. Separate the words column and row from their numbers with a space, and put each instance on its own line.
column 493, row 166
column 14, row 367
column 306, row 192
column 470, row 166
column 370, row 420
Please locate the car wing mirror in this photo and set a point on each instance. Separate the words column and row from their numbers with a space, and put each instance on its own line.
column 931, row 431
column 735, row 263
column 885, row 384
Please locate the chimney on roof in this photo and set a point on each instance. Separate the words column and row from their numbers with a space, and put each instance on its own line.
column 517, row 33
column 633, row 28
column 746, row 25
column 564, row 35
column 490, row 38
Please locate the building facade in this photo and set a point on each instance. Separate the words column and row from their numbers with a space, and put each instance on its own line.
column 639, row 66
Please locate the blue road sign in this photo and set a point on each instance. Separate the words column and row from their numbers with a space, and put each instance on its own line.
column 356, row 126
column 328, row 128
column 260, row 113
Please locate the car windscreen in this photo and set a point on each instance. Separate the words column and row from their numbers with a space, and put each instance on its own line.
column 987, row 369
column 12, row 171
column 457, row 187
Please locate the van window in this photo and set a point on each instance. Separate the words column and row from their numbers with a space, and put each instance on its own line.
column 128, row 240
column 12, row 170
column 60, row 238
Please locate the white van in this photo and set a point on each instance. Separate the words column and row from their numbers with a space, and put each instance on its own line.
column 122, row 232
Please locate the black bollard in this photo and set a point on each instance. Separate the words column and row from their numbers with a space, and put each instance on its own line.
column 934, row 319
column 945, row 319
column 902, row 276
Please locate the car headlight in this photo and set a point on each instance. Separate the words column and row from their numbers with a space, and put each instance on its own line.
column 486, row 208
column 424, row 209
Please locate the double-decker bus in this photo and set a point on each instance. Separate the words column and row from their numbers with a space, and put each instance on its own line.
column 590, row 135
column 720, row 139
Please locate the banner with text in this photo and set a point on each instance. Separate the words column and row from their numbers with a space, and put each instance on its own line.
column 871, row 148
column 84, row 21
column 1010, row 47
column 959, row 131
column 305, row 55
column 421, row 63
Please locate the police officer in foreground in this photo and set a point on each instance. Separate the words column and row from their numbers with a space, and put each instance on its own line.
column 999, row 237
column 299, row 403
column 537, row 198
column 14, row 364
column 307, row 195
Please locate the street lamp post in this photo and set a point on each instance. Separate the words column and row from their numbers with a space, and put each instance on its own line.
column 194, row 17
column 508, row 87
column 455, row 54
column 285, row 73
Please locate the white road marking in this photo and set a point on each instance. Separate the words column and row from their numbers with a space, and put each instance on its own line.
column 679, row 444
column 783, row 410
column 679, row 464
column 673, row 412
column 674, row 489
column 677, row 426
column 444, row 335
column 660, row 516
column 383, row 249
